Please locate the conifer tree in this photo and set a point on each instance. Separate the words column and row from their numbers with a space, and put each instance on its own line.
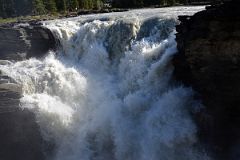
column 61, row 5
column 38, row 7
column 7, row 8
column 138, row 3
column 86, row 4
column 50, row 5
column 1, row 8
column 97, row 4
column 162, row 2
column 171, row 2
column 73, row 5
column 90, row 4
column 81, row 4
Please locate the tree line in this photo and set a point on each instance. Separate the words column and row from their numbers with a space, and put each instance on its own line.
column 14, row 8
column 147, row 3
column 143, row 3
column 41, row 6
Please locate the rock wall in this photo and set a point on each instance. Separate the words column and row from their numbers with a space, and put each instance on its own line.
column 20, row 136
column 19, row 133
column 209, row 61
column 23, row 41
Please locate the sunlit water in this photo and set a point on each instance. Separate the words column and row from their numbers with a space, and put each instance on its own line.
column 107, row 93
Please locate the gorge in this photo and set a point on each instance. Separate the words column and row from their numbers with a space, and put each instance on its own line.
column 108, row 89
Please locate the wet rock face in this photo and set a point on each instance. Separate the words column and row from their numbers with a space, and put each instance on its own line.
column 19, row 133
column 209, row 60
column 21, row 42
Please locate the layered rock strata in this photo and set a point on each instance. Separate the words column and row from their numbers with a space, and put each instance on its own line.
column 23, row 41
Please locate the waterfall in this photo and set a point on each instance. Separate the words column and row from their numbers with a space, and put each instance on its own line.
column 107, row 92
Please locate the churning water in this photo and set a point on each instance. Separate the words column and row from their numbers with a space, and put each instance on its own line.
column 107, row 93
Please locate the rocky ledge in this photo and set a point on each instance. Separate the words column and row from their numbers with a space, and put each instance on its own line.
column 21, row 41
column 209, row 61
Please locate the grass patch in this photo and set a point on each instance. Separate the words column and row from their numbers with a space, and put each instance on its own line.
column 7, row 20
column 29, row 18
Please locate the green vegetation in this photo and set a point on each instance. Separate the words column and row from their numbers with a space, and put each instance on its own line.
column 38, row 7
column 61, row 5
column 7, row 20
column 50, row 6
column 146, row 3
column 27, row 18
column 17, row 8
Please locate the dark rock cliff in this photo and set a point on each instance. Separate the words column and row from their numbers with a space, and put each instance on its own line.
column 19, row 133
column 22, row 41
column 20, row 136
column 209, row 61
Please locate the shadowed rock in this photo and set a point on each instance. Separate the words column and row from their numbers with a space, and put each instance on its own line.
column 22, row 41
column 209, row 60
column 19, row 133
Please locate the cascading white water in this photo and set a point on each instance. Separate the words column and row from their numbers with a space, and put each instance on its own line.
column 107, row 93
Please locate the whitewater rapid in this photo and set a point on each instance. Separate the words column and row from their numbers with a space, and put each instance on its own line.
column 107, row 93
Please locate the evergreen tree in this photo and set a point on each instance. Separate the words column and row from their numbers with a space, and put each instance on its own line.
column 163, row 2
column 7, row 8
column 1, row 8
column 86, row 4
column 122, row 3
column 171, row 2
column 90, row 4
column 10, row 8
column 38, row 7
column 73, row 5
column 183, row 1
column 81, row 4
column 50, row 5
column 61, row 5
column 138, row 3
column 97, row 4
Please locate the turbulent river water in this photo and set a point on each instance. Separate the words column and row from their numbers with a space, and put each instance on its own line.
column 107, row 93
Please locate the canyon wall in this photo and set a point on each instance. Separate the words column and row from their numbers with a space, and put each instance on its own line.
column 209, row 61
column 19, row 132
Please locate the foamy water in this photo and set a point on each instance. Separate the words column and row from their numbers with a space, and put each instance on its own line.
column 107, row 93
